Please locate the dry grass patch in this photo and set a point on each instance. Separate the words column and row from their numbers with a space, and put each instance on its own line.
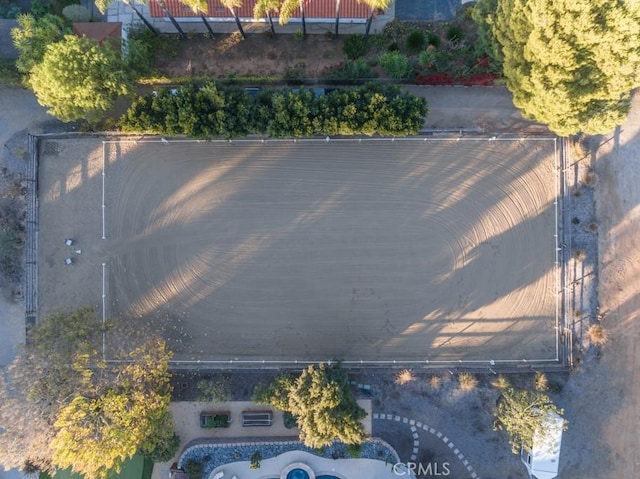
column 500, row 382
column 598, row 335
column 541, row 382
column 467, row 382
column 405, row 377
column 435, row 382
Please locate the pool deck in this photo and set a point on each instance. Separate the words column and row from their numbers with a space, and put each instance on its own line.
column 341, row 468
column 186, row 419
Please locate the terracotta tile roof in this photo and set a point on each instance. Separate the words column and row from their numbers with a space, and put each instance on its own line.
column 313, row 9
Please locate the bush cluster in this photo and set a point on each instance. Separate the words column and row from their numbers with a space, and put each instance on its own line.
column 415, row 41
column 348, row 71
column 355, row 47
column 209, row 111
column 395, row 64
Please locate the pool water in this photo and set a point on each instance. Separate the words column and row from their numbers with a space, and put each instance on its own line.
column 298, row 474
column 327, row 477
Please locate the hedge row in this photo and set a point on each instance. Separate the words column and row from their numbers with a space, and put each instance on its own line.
column 210, row 111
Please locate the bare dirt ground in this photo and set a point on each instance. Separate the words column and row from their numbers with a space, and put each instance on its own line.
column 227, row 55
column 19, row 112
column 377, row 251
column 608, row 402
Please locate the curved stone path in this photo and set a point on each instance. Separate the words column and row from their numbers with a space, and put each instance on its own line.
column 415, row 426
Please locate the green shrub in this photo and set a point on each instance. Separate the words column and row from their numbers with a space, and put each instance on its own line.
column 289, row 420
column 355, row 47
column 454, row 34
column 393, row 47
column 33, row 36
column 415, row 41
column 354, row 450
column 299, row 35
column 217, row 420
column 256, row 457
column 39, row 8
column 378, row 41
column 395, row 64
column 76, row 13
column 165, row 451
column 208, row 111
column 348, row 70
column 9, row 10
column 395, row 30
column 433, row 40
column 295, row 73
column 214, row 389
column 194, row 469
column 427, row 57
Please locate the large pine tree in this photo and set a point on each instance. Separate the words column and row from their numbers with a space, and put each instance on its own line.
column 570, row 63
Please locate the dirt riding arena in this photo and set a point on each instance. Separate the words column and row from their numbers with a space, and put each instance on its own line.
column 414, row 251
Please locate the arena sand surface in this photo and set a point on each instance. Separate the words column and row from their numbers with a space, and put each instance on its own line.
column 378, row 250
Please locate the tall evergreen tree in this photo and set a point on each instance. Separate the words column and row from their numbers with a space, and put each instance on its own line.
column 570, row 63
column 321, row 402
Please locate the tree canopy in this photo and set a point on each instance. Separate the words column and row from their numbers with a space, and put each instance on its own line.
column 569, row 64
column 209, row 111
column 521, row 414
column 62, row 406
column 321, row 402
column 33, row 36
column 79, row 78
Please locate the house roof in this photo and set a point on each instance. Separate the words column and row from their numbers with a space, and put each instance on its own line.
column 313, row 9
column 97, row 30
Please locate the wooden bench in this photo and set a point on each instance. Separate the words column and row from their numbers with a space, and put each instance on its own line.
column 257, row 418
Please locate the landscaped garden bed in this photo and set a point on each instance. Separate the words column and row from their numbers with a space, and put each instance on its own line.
column 215, row 419
column 434, row 53
column 206, row 457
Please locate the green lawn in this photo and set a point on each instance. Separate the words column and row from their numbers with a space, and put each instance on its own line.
column 138, row 467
